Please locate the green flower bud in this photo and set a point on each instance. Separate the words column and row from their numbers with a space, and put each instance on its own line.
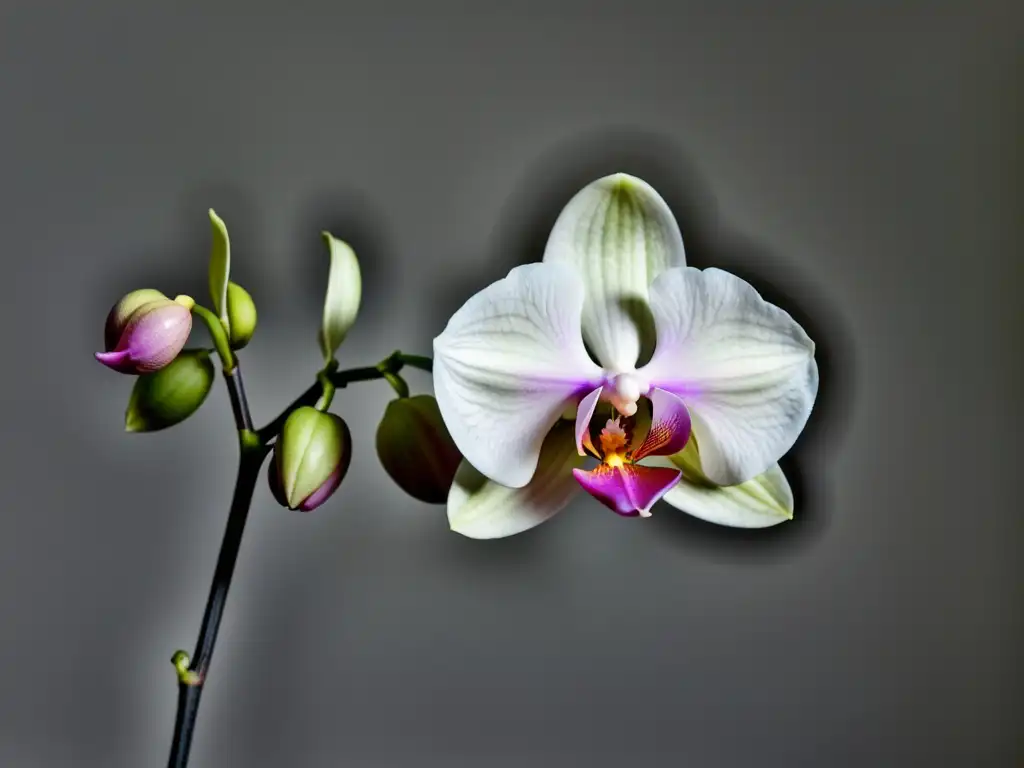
column 241, row 316
column 311, row 457
column 172, row 394
column 416, row 450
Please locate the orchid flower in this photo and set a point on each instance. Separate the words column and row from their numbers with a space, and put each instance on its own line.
column 681, row 384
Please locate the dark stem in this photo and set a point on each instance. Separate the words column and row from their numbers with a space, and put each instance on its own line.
column 392, row 364
column 417, row 361
column 250, row 461
column 254, row 448
column 239, row 403
column 311, row 395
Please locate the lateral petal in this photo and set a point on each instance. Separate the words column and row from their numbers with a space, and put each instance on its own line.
column 507, row 364
column 744, row 368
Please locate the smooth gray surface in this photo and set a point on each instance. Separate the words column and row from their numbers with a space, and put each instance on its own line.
column 861, row 162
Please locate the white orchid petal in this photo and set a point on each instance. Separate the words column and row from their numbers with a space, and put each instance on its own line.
column 744, row 368
column 761, row 502
column 482, row 509
column 764, row 501
column 506, row 366
column 620, row 234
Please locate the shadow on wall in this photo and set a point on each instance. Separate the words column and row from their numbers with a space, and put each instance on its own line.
column 180, row 266
column 352, row 217
column 520, row 237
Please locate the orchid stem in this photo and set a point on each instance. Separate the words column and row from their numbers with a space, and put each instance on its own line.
column 397, row 383
column 390, row 365
column 253, row 448
column 191, row 680
column 326, row 386
column 416, row 361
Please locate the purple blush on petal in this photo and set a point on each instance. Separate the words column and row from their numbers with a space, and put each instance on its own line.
column 155, row 334
column 321, row 494
column 670, row 426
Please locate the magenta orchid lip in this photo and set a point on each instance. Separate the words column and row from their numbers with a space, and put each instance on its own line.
column 621, row 482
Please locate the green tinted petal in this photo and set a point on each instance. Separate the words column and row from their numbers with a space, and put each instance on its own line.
column 479, row 508
column 760, row 502
column 619, row 234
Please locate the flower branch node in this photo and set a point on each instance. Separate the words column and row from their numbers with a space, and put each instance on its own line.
column 186, row 676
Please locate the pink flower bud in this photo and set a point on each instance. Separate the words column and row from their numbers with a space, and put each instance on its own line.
column 151, row 333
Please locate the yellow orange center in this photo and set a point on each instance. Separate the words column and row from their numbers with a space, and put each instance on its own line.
column 614, row 442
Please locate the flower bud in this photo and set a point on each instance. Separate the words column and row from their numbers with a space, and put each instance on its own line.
column 152, row 333
column 241, row 316
column 416, row 450
column 172, row 394
column 311, row 457
column 118, row 317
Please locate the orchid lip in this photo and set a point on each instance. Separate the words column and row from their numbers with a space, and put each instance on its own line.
column 620, row 482
column 630, row 489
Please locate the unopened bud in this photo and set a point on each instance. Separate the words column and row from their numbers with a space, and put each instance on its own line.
column 153, row 330
column 311, row 457
column 416, row 450
column 119, row 314
column 241, row 316
column 172, row 394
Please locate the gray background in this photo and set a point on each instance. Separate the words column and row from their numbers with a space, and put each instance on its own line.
column 859, row 162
